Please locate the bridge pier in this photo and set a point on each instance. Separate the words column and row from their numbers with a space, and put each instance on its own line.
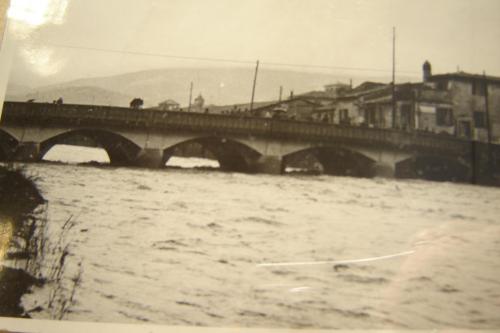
column 27, row 152
column 268, row 164
column 384, row 170
column 149, row 158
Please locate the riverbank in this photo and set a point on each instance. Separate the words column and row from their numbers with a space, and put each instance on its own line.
column 19, row 197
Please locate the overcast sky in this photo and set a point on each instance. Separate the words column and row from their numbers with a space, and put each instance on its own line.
column 62, row 40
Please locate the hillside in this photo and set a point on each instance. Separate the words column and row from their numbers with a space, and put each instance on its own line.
column 217, row 85
column 74, row 95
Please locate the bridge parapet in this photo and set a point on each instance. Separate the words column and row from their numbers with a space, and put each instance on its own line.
column 72, row 115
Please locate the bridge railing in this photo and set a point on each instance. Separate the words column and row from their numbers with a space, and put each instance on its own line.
column 321, row 131
column 106, row 116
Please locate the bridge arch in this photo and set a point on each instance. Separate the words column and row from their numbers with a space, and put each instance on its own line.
column 8, row 144
column 434, row 167
column 332, row 160
column 231, row 154
column 121, row 151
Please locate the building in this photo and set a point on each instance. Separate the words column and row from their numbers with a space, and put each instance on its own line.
column 475, row 102
column 168, row 105
column 297, row 108
column 337, row 104
column 241, row 109
column 337, row 89
column 198, row 104
column 346, row 108
column 417, row 106
column 459, row 104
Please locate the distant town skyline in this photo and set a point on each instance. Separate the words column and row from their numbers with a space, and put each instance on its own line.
column 60, row 40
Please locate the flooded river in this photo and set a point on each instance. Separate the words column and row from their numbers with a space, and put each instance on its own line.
column 193, row 247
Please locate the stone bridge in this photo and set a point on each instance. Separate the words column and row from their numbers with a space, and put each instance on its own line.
column 148, row 138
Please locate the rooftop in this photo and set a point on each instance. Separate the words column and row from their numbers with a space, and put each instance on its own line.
column 465, row 77
column 169, row 102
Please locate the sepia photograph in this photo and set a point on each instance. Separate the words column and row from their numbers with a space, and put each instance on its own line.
column 249, row 165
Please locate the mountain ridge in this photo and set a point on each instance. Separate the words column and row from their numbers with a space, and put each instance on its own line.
column 217, row 86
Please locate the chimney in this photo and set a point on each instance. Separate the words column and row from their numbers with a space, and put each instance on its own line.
column 427, row 69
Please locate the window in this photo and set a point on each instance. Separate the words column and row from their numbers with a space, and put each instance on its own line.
column 479, row 119
column 343, row 115
column 370, row 114
column 442, row 85
column 478, row 88
column 405, row 117
column 444, row 117
column 405, row 108
column 464, row 129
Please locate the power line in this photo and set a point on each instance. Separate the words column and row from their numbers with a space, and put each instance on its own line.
column 361, row 69
column 149, row 54
column 225, row 60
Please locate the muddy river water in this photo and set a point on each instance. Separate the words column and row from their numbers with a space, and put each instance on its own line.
column 194, row 247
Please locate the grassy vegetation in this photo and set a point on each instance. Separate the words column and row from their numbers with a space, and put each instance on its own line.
column 27, row 257
column 19, row 198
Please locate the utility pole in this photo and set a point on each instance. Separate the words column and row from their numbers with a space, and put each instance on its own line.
column 281, row 93
column 254, row 83
column 488, row 126
column 190, row 95
column 393, row 77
